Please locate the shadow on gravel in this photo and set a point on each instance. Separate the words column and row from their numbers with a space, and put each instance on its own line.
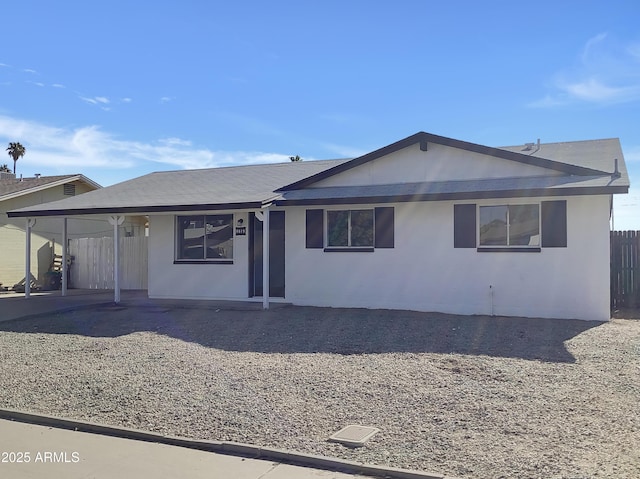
column 293, row 329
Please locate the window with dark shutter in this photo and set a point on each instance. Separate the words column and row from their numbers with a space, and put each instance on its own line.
column 384, row 226
column 554, row 224
column 314, row 229
column 464, row 226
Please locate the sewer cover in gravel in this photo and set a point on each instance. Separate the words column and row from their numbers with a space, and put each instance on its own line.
column 353, row 435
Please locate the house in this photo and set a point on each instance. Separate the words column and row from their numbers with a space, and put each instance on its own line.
column 46, row 232
column 428, row 223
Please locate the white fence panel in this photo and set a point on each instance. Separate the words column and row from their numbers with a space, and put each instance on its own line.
column 92, row 266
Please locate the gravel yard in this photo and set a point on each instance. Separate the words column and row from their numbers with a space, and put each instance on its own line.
column 471, row 397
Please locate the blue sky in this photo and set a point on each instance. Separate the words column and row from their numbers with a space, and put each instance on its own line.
column 118, row 89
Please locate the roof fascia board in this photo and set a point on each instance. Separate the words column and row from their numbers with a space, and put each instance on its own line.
column 425, row 138
column 467, row 195
column 53, row 184
column 135, row 210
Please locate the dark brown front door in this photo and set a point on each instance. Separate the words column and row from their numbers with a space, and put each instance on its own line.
column 276, row 255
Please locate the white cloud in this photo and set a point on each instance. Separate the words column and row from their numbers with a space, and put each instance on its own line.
column 607, row 72
column 95, row 100
column 174, row 142
column 58, row 85
column 80, row 149
column 594, row 90
column 36, row 83
column 126, row 100
column 29, row 70
column 166, row 99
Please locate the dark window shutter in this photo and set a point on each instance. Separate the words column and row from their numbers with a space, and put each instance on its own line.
column 464, row 226
column 384, row 236
column 315, row 228
column 554, row 224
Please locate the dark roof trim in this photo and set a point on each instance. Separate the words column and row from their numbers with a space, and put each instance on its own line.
column 138, row 210
column 467, row 195
column 425, row 138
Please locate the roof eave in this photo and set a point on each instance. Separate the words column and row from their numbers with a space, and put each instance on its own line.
column 452, row 196
column 135, row 210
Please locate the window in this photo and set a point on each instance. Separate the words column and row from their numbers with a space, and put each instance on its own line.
column 512, row 228
column 350, row 228
column 205, row 238
column 510, row 225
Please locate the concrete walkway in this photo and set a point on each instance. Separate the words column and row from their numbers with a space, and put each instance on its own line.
column 34, row 446
column 15, row 305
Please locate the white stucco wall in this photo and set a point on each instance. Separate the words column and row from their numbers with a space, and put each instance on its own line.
column 195, row 281
column 438, row 163
column 425, row 272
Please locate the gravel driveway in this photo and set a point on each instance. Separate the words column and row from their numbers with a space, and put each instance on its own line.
column 472, row 397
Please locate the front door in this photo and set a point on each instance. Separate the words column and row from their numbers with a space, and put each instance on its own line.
column 276, row 255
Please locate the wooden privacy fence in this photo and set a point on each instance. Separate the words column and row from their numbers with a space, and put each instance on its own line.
column 92, row 266
column 625, row 269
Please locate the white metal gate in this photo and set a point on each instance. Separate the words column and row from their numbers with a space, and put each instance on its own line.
column 92, row 266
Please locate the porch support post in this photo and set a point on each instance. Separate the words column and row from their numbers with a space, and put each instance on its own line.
column 265, row 259
column 116, row 221
column 65, row 267
column 27, row 259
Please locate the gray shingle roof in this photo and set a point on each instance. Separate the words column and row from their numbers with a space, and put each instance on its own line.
column 187, row 190
column 594, row 154
column 582, row 167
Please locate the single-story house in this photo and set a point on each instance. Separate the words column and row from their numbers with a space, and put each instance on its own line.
column 46, row 231
column 428, row 223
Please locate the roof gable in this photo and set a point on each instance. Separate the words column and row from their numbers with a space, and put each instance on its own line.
column 544, row 165
column 15, row 187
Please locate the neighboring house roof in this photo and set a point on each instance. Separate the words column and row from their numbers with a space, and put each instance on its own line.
column 14, row 187
column 583, row 167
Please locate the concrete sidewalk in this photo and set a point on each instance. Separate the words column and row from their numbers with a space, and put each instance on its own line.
column 29, row 451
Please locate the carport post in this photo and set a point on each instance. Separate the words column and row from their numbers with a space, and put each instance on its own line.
column 27, row 259
column 64, row 256
column 265, row 259
column 116, row 221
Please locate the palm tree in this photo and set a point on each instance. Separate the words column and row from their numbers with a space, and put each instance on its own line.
column 295, row 158
column 15, row 151
column 5, row 169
